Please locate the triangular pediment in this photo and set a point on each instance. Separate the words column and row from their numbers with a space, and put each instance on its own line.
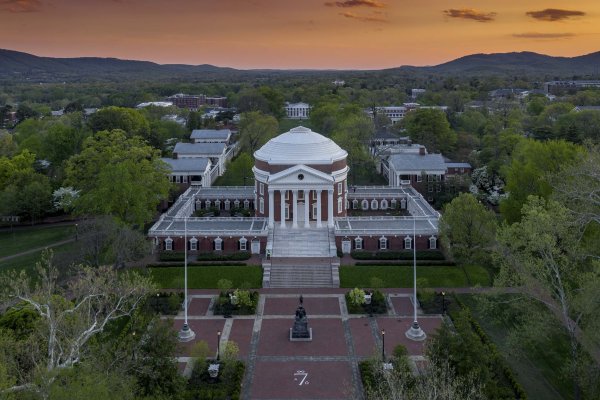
column 300, row 175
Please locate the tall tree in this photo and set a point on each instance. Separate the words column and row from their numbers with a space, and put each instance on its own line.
column 530, row 169
column 128, row 120
column 541, row 255
column 431, row 128
column 467, row 229
column 118, row 176
column 255, row 130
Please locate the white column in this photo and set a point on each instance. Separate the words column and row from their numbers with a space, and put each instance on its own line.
column 271, row 208
column 295, row 219
column 306, row 204
column 330, row 208
column 319, row 208
column 282, row 202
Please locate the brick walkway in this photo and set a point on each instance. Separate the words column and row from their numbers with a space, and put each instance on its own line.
column 327, row 367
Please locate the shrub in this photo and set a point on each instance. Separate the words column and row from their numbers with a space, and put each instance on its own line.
column 423, row 263
column 164, row 303
column 397, row 255
column 356, row 296
column 171, row 256
column 378, row 303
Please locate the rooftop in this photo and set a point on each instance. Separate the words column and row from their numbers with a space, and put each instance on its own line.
column 187, row 164
column 220, row 134
column 417, row 162
column 212, row 149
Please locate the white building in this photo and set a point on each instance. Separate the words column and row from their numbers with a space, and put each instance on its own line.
column 297, row 110
column 210, row 135
column 216, row 152
column 155, row 104
column 190, row 171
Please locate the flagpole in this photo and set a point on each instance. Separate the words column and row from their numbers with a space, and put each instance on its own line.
column 185, row 334
column 415, row 332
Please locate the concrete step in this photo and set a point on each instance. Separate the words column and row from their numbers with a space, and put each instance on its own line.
column 301, row 276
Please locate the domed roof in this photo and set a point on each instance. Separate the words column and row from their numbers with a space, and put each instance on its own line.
column 300, row 146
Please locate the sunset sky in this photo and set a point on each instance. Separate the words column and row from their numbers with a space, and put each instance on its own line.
column 345, row 34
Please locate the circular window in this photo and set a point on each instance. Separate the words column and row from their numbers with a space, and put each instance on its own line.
column 300, row 177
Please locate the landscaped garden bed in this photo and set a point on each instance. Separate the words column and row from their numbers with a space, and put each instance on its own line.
column 167, row 256
column 236, row 302
column 397, row 255
column 165, row 303
column 366, row 301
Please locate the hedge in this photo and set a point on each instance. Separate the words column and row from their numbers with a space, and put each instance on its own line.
column 197, row 264
column 397, row 255
column 180, row 256
column 501, row 363
column 423, row 263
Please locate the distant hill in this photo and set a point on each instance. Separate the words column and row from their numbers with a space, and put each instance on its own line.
column 523, row 62
column 23, row 66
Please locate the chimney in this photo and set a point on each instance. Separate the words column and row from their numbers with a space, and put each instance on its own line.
column 422, row 150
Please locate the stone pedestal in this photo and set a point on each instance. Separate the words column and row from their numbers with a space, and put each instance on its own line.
column 300, row 332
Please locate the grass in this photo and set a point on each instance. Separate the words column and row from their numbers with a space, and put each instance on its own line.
column 24, row 239
column 27, row 262
column 402, row 276
column 286, row 124
column 538, row 367
column 207, row 276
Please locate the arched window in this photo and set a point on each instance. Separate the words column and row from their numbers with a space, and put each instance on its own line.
column 354, row 204
column 243, row 244
column 218, row 244
column 218, row 204
column 383, row 242
column 246, row 204
column 227, row 205
column 207, row 204
column 408, row 243
column 433, row 242
column 358, row 243
column 193, row 244
column 374, row 204
column 384, row 204
column 403, row 204
column 365, row 204
column 236, row 204
column 168, row 244
column 394, row 204
column 198, row 204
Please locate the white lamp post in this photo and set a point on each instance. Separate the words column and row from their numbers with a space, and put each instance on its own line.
column 185, row 334
column 415, row 332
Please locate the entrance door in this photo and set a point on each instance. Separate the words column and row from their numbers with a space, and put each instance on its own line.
column 301, row 215
column 346, row 247
column 255, row 247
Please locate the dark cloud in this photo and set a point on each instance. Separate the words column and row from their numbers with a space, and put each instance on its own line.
column 364, row 18
column 20, row 6
column 538, row 35
column 469, row 13
column 554, row 14
column 356, row 3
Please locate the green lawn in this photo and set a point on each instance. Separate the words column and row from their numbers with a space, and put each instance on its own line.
column 28, row 262
column 286, row 124
column 402, row 276
column 538, row 367
column 23, row 239
column 207, row 276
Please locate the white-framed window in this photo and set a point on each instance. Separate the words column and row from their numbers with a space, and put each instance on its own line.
column 193, row 244
column 300, row 194
column 430, row 188
column 227, row 204
column 314, row 211
column 218, row 244
column 419, row 178
column 438, row 178
column 394, row 203
column 184, row 179
column 287, row 194
column 384, row 204
column 403, row 203
column 207, row 204
column 287, row 211
column 383, row 243
column 354, row 204
column 340, row 187
column 246, row 204
column 314, row 194
column 433, row 242
column 438, row 188
column 429, row 178
column 261, row 188
column 374, row 204
column 365, row 204
column 340, row 205
column 358, row 243
column 261, row 205
column 408, row 243
column 243, row 244
column 218, row 204
column 346, row 186
column 236, row 204
column 168, row 244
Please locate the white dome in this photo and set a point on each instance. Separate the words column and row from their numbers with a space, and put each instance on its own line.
column 300, row 146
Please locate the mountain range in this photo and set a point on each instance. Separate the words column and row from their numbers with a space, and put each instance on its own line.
column 17, row 65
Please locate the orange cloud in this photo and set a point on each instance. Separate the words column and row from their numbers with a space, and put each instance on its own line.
column 20, row 6
column 364, row 18
column 356, row 3
column 554, row 14
column 538, row 35
column 470, row 13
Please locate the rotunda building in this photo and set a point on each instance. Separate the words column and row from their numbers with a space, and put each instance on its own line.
column 301, row 180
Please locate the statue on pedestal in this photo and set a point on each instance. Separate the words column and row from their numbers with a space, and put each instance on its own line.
column 300, row 331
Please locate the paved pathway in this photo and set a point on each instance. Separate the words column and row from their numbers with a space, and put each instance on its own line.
column 326, row 367
column 30, row 251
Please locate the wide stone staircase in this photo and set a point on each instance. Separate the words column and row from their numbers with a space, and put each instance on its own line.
column 301, row 257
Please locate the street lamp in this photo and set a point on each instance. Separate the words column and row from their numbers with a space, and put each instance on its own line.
column 76, row 231
column 443, row 303
column 218, row 345
column 383, row 345
column 185, row 334
column 415, row 332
